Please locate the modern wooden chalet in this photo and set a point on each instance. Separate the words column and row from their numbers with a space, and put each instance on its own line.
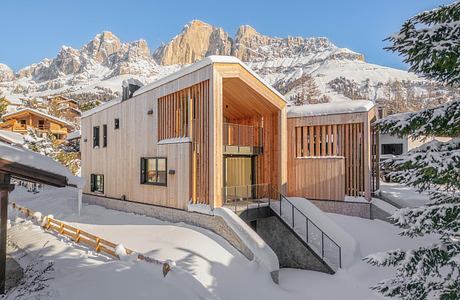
column 332, row 150
column 66, row 108
column 20, row 121
column 215, row 129
column 182, row 138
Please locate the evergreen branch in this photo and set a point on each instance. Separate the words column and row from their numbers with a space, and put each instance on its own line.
column 443, row 120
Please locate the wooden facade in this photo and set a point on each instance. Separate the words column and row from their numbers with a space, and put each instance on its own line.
column 181, row 117
column 332, row 156
column 21, row 120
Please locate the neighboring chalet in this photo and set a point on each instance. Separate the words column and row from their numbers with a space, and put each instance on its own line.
column 65, row 108
column 20, row 121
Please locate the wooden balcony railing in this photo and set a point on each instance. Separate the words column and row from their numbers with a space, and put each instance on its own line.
column 242, row 135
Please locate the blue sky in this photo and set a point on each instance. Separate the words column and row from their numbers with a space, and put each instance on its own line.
column 32, row 30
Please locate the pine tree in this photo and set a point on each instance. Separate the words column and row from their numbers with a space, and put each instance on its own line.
column 44, row 144
column 3, row 106
column 429, row 42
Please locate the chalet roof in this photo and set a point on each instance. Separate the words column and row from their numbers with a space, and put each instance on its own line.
column 36, row 112
column 200, row 64
column 332, row 108
column 29, row 165
column 14, row 99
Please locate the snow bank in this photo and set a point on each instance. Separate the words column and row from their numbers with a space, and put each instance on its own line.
column 347, row 243
column 263, row 254
column 321, row 109
column 38, row 161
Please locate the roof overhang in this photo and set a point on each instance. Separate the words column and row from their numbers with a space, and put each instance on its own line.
column 28, row 173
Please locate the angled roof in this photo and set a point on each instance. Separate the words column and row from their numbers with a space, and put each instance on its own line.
column 36, row 112
column 182, row 72
column 11, row 137
column 332, row 108
column 200, row 64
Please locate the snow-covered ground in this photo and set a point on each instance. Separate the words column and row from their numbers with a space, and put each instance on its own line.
column 402, row 195
column 208, row 267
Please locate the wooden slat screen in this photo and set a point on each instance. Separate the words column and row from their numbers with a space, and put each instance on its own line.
column 199, row 101
column 173, row 120
column 344, row 140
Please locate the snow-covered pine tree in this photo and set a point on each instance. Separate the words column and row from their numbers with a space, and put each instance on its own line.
column 43, row 144
column 428, row 41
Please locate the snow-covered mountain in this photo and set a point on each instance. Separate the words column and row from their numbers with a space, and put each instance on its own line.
column 97, row 69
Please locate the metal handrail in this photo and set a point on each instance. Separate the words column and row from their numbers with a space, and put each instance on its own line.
column 272, row 193
column 307, row 219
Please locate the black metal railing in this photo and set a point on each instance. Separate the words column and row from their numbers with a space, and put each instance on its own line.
column 323, row 245
column 243, row 198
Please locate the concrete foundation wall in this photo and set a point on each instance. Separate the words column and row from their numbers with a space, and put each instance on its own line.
column 291, row 251
column 354, row 209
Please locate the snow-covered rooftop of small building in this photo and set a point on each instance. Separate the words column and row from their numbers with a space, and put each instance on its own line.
column 73, row 135
column 38, row 112
column 36, row 160
column 11, row 137
column 15, row 98
column 322, row 109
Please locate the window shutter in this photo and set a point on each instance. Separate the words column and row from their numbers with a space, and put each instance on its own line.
column 143, row 170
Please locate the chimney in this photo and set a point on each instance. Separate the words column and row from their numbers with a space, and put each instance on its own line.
column 129, row 86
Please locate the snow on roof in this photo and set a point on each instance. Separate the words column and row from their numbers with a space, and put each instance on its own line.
column 182, row 72
column 38, row 113
column 200, row 64
column 36, row 160
column 322, row 109
column 11, row 137
column 73, row 135
column 101, row 107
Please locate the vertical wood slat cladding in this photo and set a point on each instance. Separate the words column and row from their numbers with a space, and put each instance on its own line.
column 200, row 142
column 173, row 119
column 322, row 143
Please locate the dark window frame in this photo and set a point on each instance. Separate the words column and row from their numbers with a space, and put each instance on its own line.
column 116, row 123
column 100, row 189
column 398, row 149
column 96, row 137
column 104, row 135
column 143, row 170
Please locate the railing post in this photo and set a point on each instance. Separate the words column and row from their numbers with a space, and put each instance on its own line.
column 234, row 199
column 322, row 244
column 340, row 257
column 281, row 207
column 292, row 205
column 306, row 222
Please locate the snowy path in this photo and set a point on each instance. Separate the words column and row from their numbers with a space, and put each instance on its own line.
column 212, row 267
column 401, row 195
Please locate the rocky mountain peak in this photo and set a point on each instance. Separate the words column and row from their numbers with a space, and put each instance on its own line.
column 6, row 73
column 197, row 40
column 102, row 46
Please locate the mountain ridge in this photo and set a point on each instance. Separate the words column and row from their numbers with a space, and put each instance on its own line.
column 98, row 67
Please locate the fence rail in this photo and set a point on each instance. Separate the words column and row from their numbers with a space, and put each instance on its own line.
column 88, row 239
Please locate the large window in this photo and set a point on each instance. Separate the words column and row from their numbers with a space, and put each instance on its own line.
column 394, row 149
column 97, row 183
column 153, row 170
column 96, row 137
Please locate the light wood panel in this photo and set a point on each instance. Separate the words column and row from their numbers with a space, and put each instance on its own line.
column 345, row 136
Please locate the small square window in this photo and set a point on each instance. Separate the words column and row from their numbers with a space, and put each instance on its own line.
column 117, row 123
column 154, row 170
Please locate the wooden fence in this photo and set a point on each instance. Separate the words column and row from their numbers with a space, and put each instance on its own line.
column 85, row 238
